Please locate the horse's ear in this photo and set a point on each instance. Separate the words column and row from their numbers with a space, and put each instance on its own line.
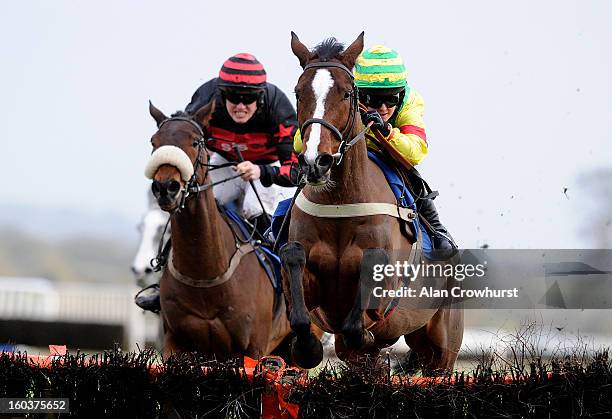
column 300, row 50
column 203, row 115
column 349, row 56
column 157, row 114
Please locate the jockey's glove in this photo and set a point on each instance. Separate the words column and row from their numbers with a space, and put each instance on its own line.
column 377, row 121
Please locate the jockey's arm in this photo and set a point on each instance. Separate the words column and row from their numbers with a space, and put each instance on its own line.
column 408, row 133
column 281, row 175
column 286, row 123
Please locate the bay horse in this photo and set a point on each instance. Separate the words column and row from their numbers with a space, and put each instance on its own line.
column 322, row 259
column 215, row 296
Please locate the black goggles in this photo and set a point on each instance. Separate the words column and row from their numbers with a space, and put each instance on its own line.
column 376, row 101
column 241, row 97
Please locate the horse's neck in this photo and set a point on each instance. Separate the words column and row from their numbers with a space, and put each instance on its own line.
column 201, row 240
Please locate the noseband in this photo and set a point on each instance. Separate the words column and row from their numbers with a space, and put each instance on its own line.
column 345, row 143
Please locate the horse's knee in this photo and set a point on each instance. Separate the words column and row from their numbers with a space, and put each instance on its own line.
column 293, row 259
column 293, row 255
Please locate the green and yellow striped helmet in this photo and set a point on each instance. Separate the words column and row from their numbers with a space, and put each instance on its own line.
column 380, row 67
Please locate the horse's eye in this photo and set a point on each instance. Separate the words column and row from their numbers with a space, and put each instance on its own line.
column 347, row 94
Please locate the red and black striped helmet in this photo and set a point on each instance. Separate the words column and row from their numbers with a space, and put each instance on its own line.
column 242, row 71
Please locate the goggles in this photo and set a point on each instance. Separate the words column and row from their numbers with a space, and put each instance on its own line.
column 240, row 97
column 376, row 101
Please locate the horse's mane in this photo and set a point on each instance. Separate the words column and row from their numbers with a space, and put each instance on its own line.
column 180, row 114
column 328, row 49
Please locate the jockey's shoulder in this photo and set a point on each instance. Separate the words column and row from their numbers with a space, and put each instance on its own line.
column 411, row 112
column 414, row 98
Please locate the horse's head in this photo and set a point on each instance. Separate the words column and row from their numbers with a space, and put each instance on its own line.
column 326, row 103
column 179, row 158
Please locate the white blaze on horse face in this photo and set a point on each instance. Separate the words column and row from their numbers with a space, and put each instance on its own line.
column 321, row 83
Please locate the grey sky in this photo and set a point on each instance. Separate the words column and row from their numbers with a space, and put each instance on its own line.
column 518, row 97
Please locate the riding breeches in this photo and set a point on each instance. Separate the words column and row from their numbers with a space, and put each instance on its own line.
column 241, row 192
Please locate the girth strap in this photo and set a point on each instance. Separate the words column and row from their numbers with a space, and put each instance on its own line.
column 353, row 210
column 241, row 251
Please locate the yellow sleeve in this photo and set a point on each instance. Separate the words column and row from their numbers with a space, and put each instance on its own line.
column 408, row 134
column 411, row 146
column 297, row 141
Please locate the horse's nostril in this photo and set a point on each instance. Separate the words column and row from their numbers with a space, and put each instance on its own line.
column 134, row 270
column 148, row 270
column 174, row 187
column 324, row 162
column 155, row 188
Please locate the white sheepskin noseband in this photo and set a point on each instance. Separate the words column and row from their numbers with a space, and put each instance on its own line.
column 172, row 155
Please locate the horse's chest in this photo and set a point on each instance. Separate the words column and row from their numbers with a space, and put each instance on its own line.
column 227, row 332
column 341, row 254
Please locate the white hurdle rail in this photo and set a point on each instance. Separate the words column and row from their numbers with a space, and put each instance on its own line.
column 40, row 299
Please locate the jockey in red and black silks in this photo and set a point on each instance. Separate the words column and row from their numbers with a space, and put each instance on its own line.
column 267, row 137
column 257, row 117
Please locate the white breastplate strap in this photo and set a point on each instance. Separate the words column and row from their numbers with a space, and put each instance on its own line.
column 353, row 210
column 241, row 251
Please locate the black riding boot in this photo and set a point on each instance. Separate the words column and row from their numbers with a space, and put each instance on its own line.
column 443, row 244
column 148, row 298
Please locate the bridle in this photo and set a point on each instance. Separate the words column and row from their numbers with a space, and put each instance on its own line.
column 191, row 186
column 342, row 136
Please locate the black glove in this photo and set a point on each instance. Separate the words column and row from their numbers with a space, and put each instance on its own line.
column 377, row 122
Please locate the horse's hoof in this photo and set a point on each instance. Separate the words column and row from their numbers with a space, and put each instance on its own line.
column 306, row 353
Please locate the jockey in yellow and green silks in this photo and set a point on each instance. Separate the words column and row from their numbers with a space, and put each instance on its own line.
column 380, row 76
column 395, row 110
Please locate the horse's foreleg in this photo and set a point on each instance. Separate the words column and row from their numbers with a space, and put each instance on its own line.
column 306, row 349
column 354, row 334
column 436, row 345
column 169, row 347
